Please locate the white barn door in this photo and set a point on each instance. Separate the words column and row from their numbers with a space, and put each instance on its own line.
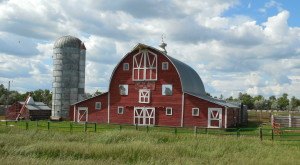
column 82, row 114
column 144, row 116
column 215, row 117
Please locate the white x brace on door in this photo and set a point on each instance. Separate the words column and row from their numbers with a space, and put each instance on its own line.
column 214, row 117
column 82, row 114
column 144, row 116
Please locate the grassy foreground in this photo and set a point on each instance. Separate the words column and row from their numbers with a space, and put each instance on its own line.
column 135, row 147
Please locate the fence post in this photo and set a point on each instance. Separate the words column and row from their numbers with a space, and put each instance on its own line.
column 95, row 127
column 26, row 125
column 37, row 124
column 48, row 125
column 136, row 127
column 120, row 127
column 175, row 130
column 195, row 130
column 71, row 127
column 6, row 123
column 85, row 127
column 290, row 120
column 147, row 128
column 238, row 133
column 272, row 134
column 206, row 132
column 260, row 134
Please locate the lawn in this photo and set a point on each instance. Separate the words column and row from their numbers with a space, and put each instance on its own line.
column 128, row 146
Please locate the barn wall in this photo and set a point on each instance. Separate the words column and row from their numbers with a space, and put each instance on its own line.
column 203, row 105
column 158, row 101
column 13, row 111
column 99, row 116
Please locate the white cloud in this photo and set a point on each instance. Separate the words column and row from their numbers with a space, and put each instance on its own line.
column 232, row 54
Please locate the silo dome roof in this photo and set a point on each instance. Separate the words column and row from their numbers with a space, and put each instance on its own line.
column 67, row 41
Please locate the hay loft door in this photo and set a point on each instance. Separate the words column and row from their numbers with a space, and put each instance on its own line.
column 215, row 117
column 144, row 116
column 82, row 114
column 144, row 66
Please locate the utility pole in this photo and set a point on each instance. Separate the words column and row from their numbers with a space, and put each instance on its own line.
column 8, row 89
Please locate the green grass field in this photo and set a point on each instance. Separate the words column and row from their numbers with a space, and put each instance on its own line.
column 128, row 146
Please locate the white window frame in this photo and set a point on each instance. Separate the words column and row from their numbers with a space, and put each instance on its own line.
column 120, row 110
column 96, row 107
column 126, row 89
column 165, row 64
column 144, row 96
column 163, row 92
column 144, row 64
column 193, row 114
column 171, row 110
column 124, row 66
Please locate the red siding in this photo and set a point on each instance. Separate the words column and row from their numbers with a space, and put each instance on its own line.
column 157, row 100
column 99, row 116
column 203, row 105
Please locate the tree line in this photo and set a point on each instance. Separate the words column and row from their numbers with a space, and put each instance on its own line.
column 271, row 103
column 253, row 102
column 40, row 95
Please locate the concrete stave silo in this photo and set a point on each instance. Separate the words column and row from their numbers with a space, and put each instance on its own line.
column 69, row 54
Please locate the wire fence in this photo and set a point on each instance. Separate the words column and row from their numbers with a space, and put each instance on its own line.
column 282, row 134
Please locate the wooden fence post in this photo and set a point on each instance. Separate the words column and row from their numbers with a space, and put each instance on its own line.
column 272, row 134
column 290, row 120
column 175, row 130
column 195, row 130
column 48, row 125
column 206, row 132
column 26, row 125
column 238, row 133
column 85, row 127
column 95, row 127
column 136, row 127
column 71, row 127
column 260, row 134
column 6, row 123
column 147, row 128
column 37, row 123
column 120, row 127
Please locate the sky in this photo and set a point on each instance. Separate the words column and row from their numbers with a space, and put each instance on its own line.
column 248, row 46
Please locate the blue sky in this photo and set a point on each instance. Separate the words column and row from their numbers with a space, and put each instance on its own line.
column 260, row 10
column 235, row 46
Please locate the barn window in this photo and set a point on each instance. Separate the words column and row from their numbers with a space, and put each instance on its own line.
column 120, row 110
column 165, row 66
column 167, row 89
column 195, row 111
column 123, row 88
column 169, row 111
column 144, row 66
column 144, row 96
column 125, row 66
column 98, row 105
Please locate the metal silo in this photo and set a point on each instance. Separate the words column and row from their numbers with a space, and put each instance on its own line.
column 68, row 75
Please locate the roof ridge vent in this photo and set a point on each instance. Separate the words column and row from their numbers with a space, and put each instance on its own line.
column 163, row 44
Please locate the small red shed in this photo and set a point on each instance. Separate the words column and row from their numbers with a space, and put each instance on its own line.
column 32, row 110
column 149, row 87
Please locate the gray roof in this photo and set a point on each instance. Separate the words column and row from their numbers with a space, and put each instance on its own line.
column 36, row 106
column 67, row 41
column 190, row 80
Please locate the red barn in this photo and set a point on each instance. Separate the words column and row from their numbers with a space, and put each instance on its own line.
column 149, row 87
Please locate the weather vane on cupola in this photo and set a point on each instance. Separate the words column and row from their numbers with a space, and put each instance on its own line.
column 163, row 44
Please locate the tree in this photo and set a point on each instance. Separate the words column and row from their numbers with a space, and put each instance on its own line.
column 246, row 100
column 283, row 102
column 97, row 93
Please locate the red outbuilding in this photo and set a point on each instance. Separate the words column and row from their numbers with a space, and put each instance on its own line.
column 149, row 87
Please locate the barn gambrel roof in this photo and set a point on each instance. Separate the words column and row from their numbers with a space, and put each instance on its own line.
column 190, row 80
